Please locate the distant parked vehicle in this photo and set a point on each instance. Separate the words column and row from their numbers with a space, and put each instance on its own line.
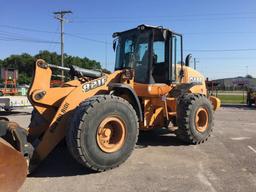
column 251, row 96
column 10, row 77
column 9, row 89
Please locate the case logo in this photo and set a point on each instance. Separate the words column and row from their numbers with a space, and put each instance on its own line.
column 196, row 79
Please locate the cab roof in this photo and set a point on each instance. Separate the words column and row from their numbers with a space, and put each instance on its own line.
column 141, row 27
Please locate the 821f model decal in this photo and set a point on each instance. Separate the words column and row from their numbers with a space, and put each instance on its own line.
column 94, row 84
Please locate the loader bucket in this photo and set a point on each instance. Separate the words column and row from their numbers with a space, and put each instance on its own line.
column 13, row 168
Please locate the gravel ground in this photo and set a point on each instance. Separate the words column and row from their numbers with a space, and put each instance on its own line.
column 160, row 162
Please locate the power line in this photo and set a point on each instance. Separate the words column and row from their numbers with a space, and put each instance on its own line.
column 87, row 39
column 11, row 33
column 24, row 40
column 19, row 36
column 52, row 32
column 219, row 32
column 27, row 29
column 10, row 36
column 228, row 58
column 169, row 16
column 54, row 38
column 69, row 34
column 176, row 19
column 185, row 33
column 101, row 41
column 221, row 50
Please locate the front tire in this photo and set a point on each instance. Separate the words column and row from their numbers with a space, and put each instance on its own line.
column 103, row 132
column 194, row 118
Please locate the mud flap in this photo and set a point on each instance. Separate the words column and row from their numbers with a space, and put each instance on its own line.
column 13, row 168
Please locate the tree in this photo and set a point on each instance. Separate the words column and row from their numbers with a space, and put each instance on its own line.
column 25, row 63
column 49, row 57
column 249, row 76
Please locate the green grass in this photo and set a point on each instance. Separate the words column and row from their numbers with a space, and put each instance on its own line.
column 232, row 99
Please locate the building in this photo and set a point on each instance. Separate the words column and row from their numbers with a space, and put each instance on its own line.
column 236, row 83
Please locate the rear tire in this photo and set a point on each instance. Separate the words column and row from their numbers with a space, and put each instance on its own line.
column 84, row 136
column 194, row 118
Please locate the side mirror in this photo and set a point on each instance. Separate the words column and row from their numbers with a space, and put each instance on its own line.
column 188, row 59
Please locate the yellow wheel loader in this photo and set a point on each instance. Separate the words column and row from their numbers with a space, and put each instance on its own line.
column 99, row 115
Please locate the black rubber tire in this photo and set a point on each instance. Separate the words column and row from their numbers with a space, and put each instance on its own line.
column 186, row 111
column 81, row 134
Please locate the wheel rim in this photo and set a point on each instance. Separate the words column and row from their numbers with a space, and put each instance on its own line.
column 201, row 119
column 111, row 134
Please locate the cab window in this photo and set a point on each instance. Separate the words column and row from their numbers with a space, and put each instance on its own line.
column 159, row 51
column 176, row 54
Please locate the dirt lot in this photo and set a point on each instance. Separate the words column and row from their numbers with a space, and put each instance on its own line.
column 160, row 162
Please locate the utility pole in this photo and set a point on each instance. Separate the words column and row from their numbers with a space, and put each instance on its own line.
column 60, row 16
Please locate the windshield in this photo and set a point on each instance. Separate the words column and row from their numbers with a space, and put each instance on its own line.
column 133, row 52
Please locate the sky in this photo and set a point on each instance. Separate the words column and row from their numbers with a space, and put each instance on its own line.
column 220, row 34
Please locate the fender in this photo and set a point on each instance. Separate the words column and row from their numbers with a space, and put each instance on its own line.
column 136, row 102
column 183, row 88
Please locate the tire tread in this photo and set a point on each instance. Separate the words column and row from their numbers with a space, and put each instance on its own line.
column 183, row 113
column 74, row 132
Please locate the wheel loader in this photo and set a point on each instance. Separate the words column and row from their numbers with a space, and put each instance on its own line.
column 99, row 115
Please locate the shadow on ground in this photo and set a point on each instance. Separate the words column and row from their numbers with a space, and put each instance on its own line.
column 13, row 113
column 60, row 163
column 158, row 137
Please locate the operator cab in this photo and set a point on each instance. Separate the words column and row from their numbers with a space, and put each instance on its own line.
column 153, row 52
